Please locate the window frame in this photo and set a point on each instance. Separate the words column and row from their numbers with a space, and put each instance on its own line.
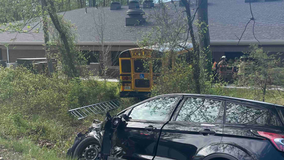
column 280, row 114
column 169, row 116
column 174, row 117
column 115, row 58
column 251, row 105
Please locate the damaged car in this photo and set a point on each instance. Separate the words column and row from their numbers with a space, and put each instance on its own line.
column 187, row 127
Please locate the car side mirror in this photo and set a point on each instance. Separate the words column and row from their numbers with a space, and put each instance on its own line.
column 125, row 117
column 108, row 116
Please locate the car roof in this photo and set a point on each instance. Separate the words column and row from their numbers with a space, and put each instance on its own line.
column 224, row 98
column 242, row 100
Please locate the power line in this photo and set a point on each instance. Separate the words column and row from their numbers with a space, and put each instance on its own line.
column 253, row 27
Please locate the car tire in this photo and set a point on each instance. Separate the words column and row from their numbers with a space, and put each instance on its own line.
column 87, row 149
column 220, row 156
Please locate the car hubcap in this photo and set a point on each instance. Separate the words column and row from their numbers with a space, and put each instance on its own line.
column 91, row 152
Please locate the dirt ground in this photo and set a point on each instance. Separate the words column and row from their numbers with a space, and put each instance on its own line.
column 8, row 154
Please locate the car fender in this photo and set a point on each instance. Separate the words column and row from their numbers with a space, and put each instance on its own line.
column 95, row 134
column 230, row 149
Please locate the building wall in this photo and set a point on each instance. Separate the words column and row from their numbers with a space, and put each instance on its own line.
column 37, row 51
column 1, row 52
column 220, row 50
column 22, row 52
column 14, row 54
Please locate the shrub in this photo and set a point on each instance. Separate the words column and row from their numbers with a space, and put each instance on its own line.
column 175, row 80
column 51, row 97
column 180, row 79
column 35, row 107
column 259, row 71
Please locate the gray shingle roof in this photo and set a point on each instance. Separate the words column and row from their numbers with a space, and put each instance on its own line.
column 227, row 19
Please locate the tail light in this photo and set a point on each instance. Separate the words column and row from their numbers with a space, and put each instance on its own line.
column 126, row 78
column 276, row 139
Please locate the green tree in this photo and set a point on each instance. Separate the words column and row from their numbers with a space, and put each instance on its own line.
column 261, row 71
column 204, row 37
column 29, row 13
column 68, row 52
column 178, row 31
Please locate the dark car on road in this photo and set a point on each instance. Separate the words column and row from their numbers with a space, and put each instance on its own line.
column 187, row 127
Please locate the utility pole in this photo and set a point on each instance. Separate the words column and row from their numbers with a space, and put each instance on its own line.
column 204, row 37
column 46, row 38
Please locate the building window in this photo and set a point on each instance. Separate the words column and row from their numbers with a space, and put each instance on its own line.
column 91, row 56
column 114, row 58
column 1, row 58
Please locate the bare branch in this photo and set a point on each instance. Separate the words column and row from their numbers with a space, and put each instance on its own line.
column 194, row 15
column 192, row 19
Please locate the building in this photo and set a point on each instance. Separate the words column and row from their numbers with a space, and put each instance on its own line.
column 227, row 21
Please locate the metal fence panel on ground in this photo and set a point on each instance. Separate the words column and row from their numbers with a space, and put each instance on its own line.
column 98, row 108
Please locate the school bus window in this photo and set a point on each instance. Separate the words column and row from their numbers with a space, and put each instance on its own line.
column 125, row 54
column 142, row 83
column 157, row 65
column 139, row 66
column 126, row 66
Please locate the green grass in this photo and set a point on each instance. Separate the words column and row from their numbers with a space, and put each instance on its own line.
column 34, row 136
column 272, row 96
column 34, row 110
column 29, row 150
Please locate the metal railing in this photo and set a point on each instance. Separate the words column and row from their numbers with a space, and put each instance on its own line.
column 98, row 108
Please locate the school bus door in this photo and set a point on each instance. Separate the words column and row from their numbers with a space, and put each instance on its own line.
column 141, row 76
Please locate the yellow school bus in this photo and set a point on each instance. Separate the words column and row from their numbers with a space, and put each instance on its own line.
column 137, row 78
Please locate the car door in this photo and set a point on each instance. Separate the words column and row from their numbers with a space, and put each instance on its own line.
column 138, row 139
column 242, row 123
column 197, row 123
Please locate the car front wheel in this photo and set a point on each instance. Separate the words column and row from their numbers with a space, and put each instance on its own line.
column 87, row 149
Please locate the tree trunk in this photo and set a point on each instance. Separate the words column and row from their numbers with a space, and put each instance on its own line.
column 204, row 37
column 69, row 4
column 82, row 3
column 46, row 40
column 196, row 54
column 78, row 3
column 264, row 90
column 62, row 5
column 69, row 58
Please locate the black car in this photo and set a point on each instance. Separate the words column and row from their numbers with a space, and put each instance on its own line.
column 187, row 127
